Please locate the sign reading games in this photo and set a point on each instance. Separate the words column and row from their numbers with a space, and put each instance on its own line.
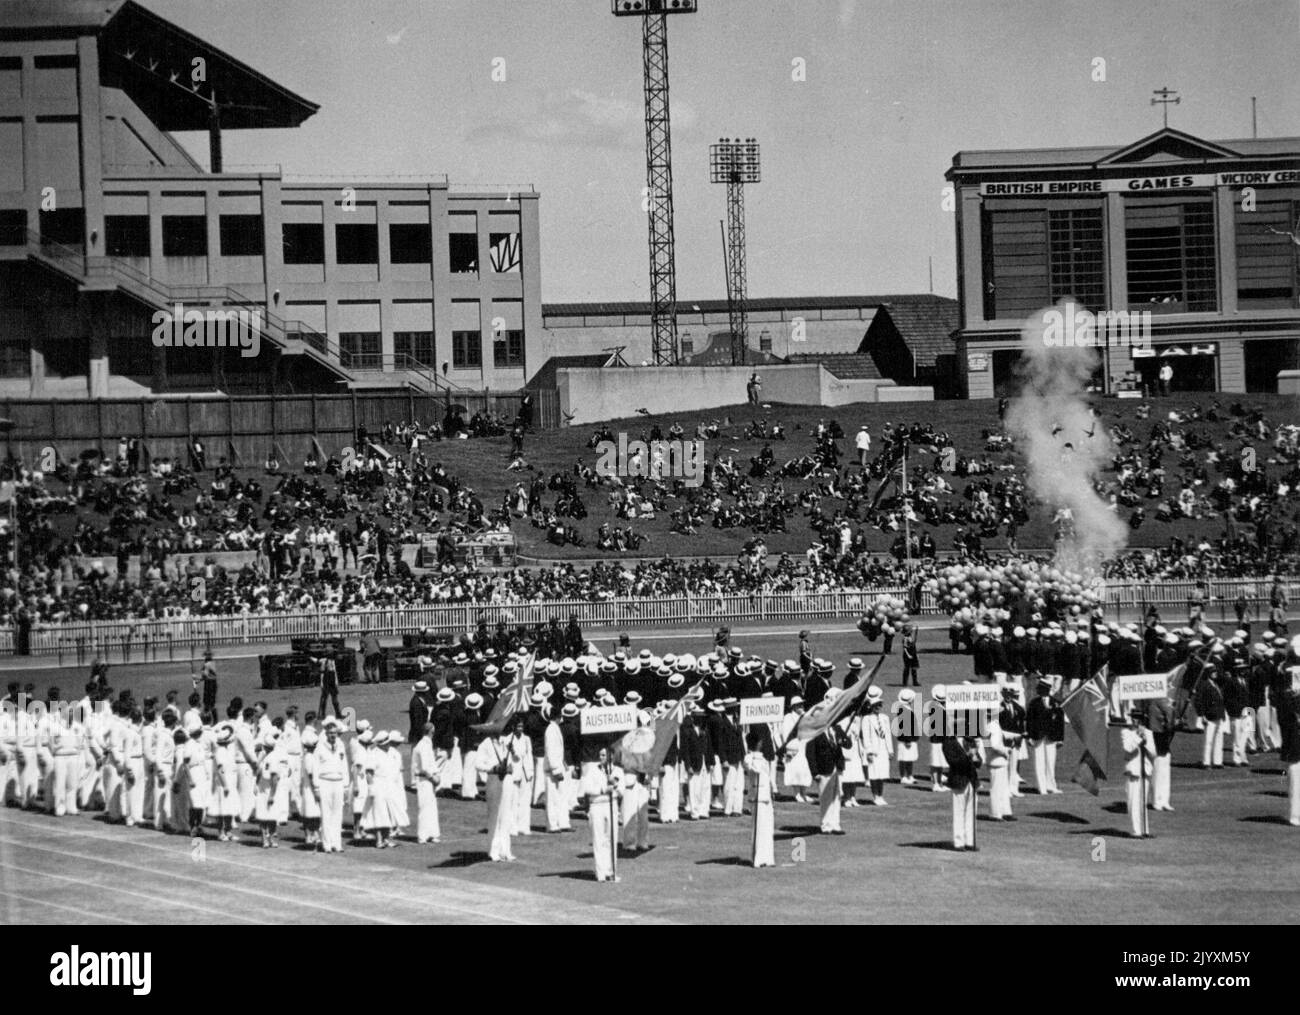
column 1137, row 184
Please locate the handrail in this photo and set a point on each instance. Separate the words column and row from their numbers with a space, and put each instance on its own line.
column 400, row 361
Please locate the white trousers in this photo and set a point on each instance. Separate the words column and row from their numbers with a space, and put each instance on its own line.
column 468, row 777
column 111, row 787
column 1136, row 806
column 762, row 848
column 246, row 787
column 558, row 794
column 1293, row 787
column 598, row 818
column 541, row 784
column 1240, row 727
column 133, row 791
column 636, row 816
column 1212, row 744
column 29, row 776
column 523, row 804
column 162, row 802
column 331, row 813
column 999, row 792
column 501, row 817
column 698, row 788
column 829, row 789
column 670, row 792
column 733, row 790
column 426, row 802
column 62, row 786
column 1160, row 780
column 963, row 817
column 1044, row 766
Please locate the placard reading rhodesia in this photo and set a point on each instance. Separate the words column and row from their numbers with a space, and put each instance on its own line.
column 1140, row 686
column 613, row 719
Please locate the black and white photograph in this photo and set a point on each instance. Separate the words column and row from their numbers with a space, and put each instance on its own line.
column 464, row 467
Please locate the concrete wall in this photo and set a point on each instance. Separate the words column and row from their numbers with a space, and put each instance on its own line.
column 810, row 333
column 593, row 395
column 1288, row 382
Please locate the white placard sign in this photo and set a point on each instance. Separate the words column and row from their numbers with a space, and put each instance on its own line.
column 977, row 696
column 612, row 719
column 1141, row 686
column 761, row 710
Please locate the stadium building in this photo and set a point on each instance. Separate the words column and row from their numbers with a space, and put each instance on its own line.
column 1201, row 235
column 106, row 223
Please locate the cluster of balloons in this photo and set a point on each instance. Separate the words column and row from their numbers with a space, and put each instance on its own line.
column 966, row 590
column 884, row 615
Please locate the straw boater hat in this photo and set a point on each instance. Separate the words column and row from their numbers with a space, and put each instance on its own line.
column 939, row 692
column 420, row 687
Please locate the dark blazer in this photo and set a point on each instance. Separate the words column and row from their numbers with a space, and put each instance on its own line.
column 825, row 754
column 1045, row 721
column 963, row 770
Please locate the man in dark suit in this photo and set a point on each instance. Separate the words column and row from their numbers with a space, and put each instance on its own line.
column 826, row 762
column 1045, row 727
column 964, row 758
column 817, row 683
column 790, row 683
column 1163, row 725
column 418, row 711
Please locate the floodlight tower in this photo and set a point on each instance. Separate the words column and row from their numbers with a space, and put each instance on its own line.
column 735, row 163
column 659, row 167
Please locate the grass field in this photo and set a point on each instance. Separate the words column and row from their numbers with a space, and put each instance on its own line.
column 1225, row 855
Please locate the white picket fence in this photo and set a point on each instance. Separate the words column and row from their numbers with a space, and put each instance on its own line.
column 182, row 637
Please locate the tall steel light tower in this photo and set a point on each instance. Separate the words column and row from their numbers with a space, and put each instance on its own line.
column 659, row 166
column 735, row 163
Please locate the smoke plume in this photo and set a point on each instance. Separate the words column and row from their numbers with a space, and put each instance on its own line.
column 1065, row 445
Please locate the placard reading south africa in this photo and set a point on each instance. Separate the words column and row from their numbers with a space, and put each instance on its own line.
column 962, row 697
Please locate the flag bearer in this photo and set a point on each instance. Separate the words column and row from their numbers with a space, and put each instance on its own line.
column 599, row 785
column 761, row 852
column 1139, row 749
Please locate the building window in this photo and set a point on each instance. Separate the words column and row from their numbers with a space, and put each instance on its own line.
column 356, row 243
column 1267, row 260
column 304, row 243
column 506, row 252
column 1170, row 256
column 15, row 355
column 360, row 349
column 462, row 249
column 126, row 235
column 66, row 226
column 409, row 244
column 184, row 236
column 466, row 349
column 13, row 227
column 418, row 345
column 1037, row 256
column 1078, row 269
column 764, row 341
column 508, row 349
column 687, row 343
column 241, row 235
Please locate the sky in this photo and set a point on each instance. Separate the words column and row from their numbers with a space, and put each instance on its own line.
column 851, row 200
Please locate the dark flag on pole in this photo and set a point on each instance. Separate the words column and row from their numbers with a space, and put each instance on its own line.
column 1086, row 708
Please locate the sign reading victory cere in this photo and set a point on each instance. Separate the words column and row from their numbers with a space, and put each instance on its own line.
column 614, row 719
column 761, row 710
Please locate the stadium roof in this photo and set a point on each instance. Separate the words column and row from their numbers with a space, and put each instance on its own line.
column 633, row 308
column 151, row 59
column 1166, row 144
column 847, row 366
column 926, row 328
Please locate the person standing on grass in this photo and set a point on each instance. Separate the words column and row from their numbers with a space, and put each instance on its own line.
column 308, row 795
column 502, row 771
column 911, row 658
column 877, row 745
column 826, row 760
column 937, row 736
column 372, row 654
column 863, row 443
column 599, row 783
column 1045, row 726
column 762, row 851
column 225, row 785
column 328, row 676
column 964, row 759
column 1139, row 749
column 329, row 777
column 425, row 768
